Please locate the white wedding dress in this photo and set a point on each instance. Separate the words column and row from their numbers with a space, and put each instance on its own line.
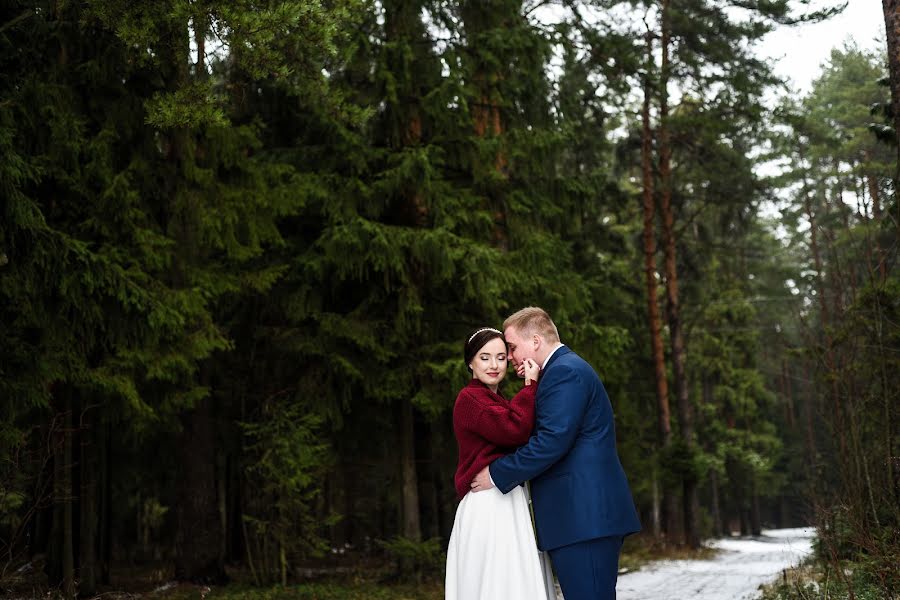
column 492, row 553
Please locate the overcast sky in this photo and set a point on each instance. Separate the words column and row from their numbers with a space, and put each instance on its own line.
column 801, row 50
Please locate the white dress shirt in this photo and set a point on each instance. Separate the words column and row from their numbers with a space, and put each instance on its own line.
column 552, row 352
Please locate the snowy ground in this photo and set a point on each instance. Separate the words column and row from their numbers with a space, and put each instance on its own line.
column 735, row 573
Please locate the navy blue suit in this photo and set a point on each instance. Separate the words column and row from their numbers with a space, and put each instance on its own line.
column 582, row 503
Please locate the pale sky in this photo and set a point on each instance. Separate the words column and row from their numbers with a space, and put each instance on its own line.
column 801, row 50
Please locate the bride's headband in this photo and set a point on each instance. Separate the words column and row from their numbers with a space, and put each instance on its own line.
column 484, row 329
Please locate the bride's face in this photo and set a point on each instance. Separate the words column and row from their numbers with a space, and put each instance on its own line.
column 489, row 364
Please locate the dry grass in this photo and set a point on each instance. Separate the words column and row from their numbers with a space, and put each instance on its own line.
column 640, row 550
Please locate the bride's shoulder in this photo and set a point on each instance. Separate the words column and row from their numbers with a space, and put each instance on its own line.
column 473, row 393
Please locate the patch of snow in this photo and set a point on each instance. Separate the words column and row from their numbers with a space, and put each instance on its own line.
column 735, row 573
column 165, row 587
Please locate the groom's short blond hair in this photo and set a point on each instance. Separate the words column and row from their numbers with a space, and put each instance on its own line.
column 531, row 320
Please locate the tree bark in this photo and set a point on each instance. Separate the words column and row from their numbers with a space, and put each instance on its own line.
column 104, row 445
column 222, row 497
column 60, row 555
column 822, row 295
column 755, row 516
column 892, row 28
column 787, row 392
column 811, row 450
column 197, row 541
column 817, row 255
column 875, row 196
column 87, row 572
column 68, row 541
column 716, row 508
column 405, row 30
column 655, row 506
column 673, row 311
column 410, row 487
column 480, row 18
column 664, row 427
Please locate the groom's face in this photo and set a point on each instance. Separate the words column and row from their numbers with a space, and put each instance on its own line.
column 520, row 347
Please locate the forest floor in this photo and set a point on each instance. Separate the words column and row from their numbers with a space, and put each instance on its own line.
column 725, row 569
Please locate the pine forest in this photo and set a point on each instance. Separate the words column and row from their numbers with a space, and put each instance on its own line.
column 242, row 245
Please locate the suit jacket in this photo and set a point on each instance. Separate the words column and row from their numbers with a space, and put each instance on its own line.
column 578, row 487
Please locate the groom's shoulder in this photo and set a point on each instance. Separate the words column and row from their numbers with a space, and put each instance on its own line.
column 569, row 357
column 568, row 360
column 574, row 361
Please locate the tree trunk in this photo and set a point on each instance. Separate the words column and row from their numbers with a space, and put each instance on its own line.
column 892, row 28
column 337, row 490
column 411, row 527
column 198, row 536
column 405, row 32
column 745, row 520
column 725, row 510
column 222, row 496
column 822, row 296
column 664, row 427
column 787, row 392
column 655, row 506
column 42, row 494
column 236, row 538
column 104, row 445
column 875, row 197
column 479, row 17
column 432, row 526
column 60, row 555
column 810, row 438
column 716, row 509
column 197, row 540
column 755, row 516
column 489, row 19
column 817, row 255
column 87, row 572
column 673, row 311
column 68, row 542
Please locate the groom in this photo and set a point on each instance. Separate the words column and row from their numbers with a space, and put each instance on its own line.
column 582, row 504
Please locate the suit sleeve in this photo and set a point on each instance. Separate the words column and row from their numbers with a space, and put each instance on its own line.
column 559, row 415
column 505, row 424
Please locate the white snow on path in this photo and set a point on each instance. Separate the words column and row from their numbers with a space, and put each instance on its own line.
column 735, row 573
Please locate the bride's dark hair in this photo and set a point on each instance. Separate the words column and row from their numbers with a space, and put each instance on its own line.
column 477, row 339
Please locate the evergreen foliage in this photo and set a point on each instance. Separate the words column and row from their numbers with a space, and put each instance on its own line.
column 241, row 245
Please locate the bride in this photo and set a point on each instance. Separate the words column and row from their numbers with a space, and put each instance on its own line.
column 492, row 553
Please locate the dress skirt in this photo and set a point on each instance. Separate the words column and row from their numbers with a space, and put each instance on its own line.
column 492, row 553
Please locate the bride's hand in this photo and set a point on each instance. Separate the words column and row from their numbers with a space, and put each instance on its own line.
column 532, row 371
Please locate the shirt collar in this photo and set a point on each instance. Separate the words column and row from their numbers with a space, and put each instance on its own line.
column 552, row 352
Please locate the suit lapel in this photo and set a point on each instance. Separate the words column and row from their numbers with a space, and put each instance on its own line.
column 561, row 351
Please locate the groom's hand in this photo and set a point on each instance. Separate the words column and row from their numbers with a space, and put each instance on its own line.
column 482, row 481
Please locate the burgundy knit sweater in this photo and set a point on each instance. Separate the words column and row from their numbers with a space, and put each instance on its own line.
column 487, row 426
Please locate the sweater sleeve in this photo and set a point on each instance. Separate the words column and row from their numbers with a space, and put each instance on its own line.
column 563, row 403
column 508, row 424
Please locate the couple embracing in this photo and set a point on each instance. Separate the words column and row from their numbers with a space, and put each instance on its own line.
column 558, row 435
